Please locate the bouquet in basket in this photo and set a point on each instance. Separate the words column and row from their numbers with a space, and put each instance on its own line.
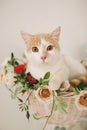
column 45, row 102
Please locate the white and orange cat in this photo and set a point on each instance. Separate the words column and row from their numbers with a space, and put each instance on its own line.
column 43, row 55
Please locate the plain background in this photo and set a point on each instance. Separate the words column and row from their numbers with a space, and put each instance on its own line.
column 36, row 16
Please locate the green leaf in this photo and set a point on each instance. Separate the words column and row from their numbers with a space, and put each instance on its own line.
column 9, row 62
column 16, row 63
column 63, row 106
column 12, row 55
column 13, row 96
column 47, row 75
column 21, row 106
column 23, row 91
column 16, row 81
column 56, row 104
column 25, row 85
column 56, row 107
column 58, row 91
column 20, row 99
column 28, row 115
column 76, row 91
column 36, row 116
column 13, row 61
column 36, row 86
column 24, row 107
column 60, row 106
column 45, row 83
column 41, row 80
column 81, row 86
column 18, row 89
column 6, row 69
column 63, row 110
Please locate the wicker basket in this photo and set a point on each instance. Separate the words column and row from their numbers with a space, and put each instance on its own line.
column 62, row 120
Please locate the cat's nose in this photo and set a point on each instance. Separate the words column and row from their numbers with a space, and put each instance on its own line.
column 43, row 58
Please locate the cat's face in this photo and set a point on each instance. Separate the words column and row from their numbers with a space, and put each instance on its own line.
column 42, row 48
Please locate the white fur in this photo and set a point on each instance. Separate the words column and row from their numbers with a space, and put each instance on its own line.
column 60, row 67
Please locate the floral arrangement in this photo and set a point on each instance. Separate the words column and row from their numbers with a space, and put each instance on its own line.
column 22, row 85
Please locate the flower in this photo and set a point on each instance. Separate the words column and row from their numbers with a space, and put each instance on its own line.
column 8, row 79
column 31, row 79
column 65, row 86
column 81, row 100
column 44, row 94
column 19, row 69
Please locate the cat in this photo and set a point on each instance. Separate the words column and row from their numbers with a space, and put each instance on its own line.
column 43, row 54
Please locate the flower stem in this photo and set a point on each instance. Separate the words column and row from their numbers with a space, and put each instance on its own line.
column 48, row 117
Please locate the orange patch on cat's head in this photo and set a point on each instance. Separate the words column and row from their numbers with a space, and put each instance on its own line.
column 35, row 40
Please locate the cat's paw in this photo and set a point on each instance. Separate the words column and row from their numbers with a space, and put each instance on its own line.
column 54, row 85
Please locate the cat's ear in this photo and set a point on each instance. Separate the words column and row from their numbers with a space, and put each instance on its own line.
column 26, row 37
column 56, row 33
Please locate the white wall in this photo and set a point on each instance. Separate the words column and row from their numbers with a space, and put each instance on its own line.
column 35, row 16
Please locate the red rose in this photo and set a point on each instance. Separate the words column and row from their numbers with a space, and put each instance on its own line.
column 19, row 69
column 31, row 79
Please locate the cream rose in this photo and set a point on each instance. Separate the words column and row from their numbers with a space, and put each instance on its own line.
column 65, row 85
column 8, row 79
column 44, row 94
column 81, row 100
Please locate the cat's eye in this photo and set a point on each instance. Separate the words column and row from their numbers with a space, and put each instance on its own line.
column 35, row 49
column 49, row 48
